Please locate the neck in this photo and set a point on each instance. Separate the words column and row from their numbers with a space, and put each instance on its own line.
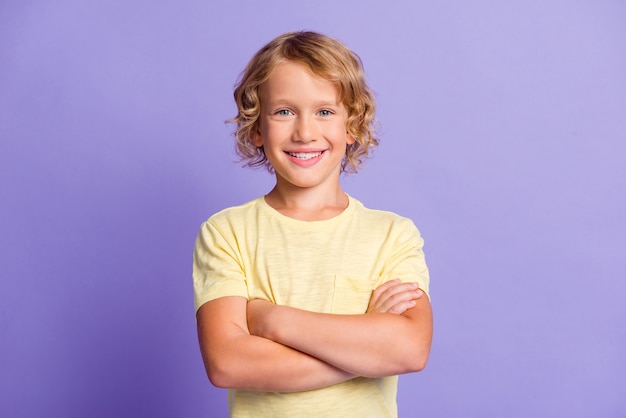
column 307, row 204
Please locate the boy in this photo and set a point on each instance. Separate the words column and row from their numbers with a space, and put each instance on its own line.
column 309, row 304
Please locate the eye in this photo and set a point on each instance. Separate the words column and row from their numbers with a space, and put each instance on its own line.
column 325, row 112
column 283, row 112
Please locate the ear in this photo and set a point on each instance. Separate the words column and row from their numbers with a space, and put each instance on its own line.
column 350, row 139
column 256, row 138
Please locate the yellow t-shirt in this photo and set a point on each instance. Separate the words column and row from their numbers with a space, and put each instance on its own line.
column 328, row 266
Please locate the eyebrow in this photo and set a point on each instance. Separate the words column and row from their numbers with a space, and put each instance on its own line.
column 280, row 102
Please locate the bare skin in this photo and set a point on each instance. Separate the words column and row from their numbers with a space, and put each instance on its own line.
column 260, row 346
column 270, row 366
column 394, row 297
column 376, row 344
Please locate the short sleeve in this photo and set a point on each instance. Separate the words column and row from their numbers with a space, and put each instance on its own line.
column 217, row 266
column 407, row 261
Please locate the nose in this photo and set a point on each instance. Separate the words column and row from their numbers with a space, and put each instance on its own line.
column 306, row 129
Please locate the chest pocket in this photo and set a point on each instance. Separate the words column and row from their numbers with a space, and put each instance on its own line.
column 351, row 296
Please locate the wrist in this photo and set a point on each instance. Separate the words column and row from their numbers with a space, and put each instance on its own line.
column 261, row 318
column 271, row 322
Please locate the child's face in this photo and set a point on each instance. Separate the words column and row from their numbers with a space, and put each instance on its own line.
column 302, row 127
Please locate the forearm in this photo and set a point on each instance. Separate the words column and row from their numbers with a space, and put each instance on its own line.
column 235, row 359
column 373, row 345
column 255, row 363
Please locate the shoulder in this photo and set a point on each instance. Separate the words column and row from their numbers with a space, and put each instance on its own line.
column 231, row 221
column 388, row 226
column 382, row 217
column 235, row 213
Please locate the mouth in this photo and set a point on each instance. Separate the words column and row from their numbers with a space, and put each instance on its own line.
column 305, row 155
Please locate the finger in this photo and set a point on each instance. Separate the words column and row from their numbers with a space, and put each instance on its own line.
column 400, row 308
column 393, row 292
column 400, row 298
column 386, row 286
column 396, row 302
column 399, row 288
column 379, row 291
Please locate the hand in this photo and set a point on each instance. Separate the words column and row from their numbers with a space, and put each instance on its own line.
column 257, row 311
column 394, row 297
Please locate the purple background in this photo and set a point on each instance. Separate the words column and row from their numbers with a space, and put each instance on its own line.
column 504, row 138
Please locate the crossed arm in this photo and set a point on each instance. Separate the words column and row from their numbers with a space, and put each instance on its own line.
column 257, row 345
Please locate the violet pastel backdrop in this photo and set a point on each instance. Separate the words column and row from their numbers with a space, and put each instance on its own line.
column 503, row 131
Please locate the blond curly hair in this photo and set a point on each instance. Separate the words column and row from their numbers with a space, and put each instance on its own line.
column 325, row 57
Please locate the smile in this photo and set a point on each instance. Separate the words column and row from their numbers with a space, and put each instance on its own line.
column 305, row 155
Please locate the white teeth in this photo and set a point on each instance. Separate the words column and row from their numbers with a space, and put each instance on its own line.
column 305, row 155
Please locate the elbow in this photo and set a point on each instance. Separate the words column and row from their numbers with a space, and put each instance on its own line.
column 416, row 359
column 412, row 365
column 219, row 379
column 417, row 364
column 407, row 361
column 417, row 351
column 221, row 376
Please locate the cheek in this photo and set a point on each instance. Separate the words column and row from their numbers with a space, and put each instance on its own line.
column 272, row 135
column 342, row 132
column 281, row 131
